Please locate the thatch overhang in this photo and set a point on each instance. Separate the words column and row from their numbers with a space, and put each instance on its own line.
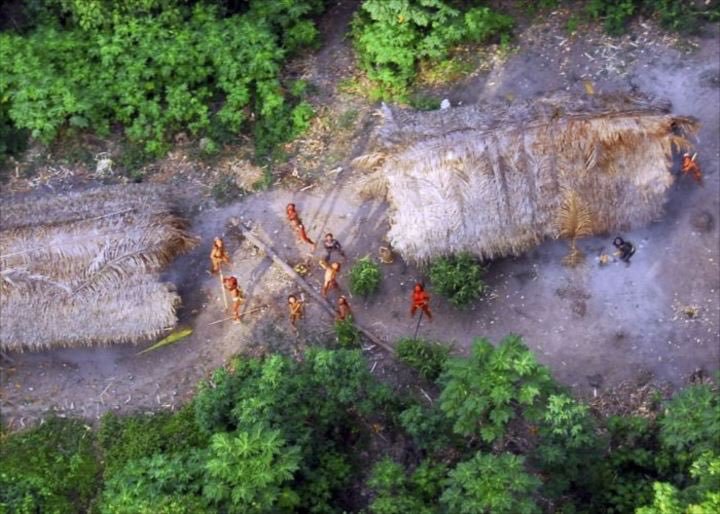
column 84, row 268
column 491, row 179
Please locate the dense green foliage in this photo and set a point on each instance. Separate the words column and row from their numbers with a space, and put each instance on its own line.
column 485, row 391
column 365, row 277
column 392, row 36
column 678, row 15
column 458, row 278
column 158, row 67
column 346, row 333
column 51, row 468
column 278, row 435
column 428, row 357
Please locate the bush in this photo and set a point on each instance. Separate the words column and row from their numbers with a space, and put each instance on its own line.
column 483, row 392
column 458, row 278
column 51, row 468
column 677, row 15
column 346, row 333
column 398, row 494
column 491, row 483
column 365, row 277
column 425, row 356
column 391, row 37
column 691, row 423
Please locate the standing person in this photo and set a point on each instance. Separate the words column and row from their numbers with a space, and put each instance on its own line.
column 236, row 294
column 296, row 309
column 332, row 245
column 420, row 300
column 343, row 311
column 218, row 256
column 691, row 167
column 331, row 273
column 294, row 219
column 625, row 249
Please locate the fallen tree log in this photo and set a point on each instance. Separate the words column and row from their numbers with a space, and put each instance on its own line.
column 254, row 239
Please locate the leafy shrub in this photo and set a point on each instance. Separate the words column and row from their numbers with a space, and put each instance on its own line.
column 483, row 392
column 676, row 15
column 390, row 37
column 614, row 13
column 346, row 333
column 702, row 497
column 491, row 483
column 190, row 68
column 568, row 442
column 425, row 356
column 128, row 438
column 158, row 483
column 691, row 423
column 51, row 468
column 250, row 471
column 365, row 277
column 398, row 494
column 429, row 427
column 458, row 278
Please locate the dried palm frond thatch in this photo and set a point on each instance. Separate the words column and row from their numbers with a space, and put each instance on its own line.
column 574, row 221
column 83, row 268
column 490, row 179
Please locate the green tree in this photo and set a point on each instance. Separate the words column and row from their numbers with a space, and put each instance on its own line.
column 250, row 471
column 490, row 483
column 483, row 392
column 391, row 36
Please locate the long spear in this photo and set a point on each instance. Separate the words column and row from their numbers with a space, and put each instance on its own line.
column 417, row 327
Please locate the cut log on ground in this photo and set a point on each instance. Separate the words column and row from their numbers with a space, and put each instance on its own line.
column 254, row 239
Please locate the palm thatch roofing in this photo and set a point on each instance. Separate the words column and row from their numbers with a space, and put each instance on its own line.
column 492, row 179
column 84, row 268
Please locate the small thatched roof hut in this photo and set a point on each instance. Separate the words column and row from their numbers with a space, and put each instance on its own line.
column 493, row 179
column 83, row 268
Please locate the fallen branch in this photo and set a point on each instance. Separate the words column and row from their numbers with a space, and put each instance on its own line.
column 304, row 285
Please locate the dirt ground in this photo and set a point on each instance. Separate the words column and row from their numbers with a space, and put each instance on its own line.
column 595, row 327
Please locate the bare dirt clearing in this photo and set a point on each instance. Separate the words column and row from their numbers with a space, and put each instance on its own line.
column 594, row 326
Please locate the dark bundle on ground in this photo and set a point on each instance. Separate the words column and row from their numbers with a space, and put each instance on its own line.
column 497, row 179
column 83, row 268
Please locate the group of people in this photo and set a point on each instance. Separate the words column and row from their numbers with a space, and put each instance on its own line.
column 420, row 299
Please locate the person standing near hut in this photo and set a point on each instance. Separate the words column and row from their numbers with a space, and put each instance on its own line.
column 343, row 311
column 296, row 309
column 420, row 300
column 625, row 249
column 294, row 219
column 236, row 295
column 218, row 256
column 332, row 245
column 691, row 167
column 331, row 273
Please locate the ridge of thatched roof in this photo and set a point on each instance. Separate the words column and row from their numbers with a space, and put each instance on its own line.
column 83, row 268
column 490, row 179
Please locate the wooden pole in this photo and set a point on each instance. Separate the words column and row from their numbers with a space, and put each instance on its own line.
column 417, row 327
column 222, row 287
column 306, row 287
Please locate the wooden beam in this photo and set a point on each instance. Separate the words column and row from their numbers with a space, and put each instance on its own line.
column 305, row 286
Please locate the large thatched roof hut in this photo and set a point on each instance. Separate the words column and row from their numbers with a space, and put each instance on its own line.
column 493, row 179
column 84, row 268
